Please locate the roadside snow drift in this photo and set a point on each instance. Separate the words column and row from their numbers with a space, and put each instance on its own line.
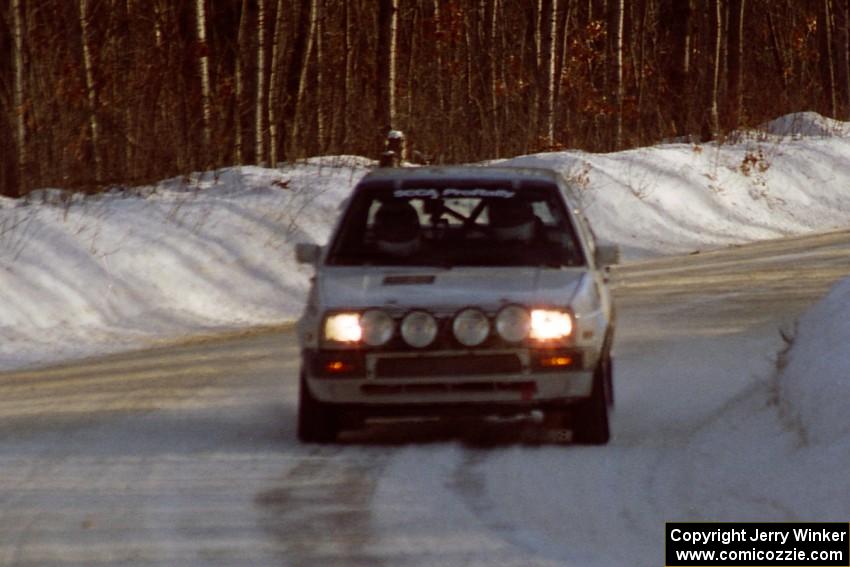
column 83, row 275
column 814, row 385
column 210, row 251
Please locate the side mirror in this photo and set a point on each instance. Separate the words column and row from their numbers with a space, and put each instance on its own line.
column 607, row 255
column 307, row 253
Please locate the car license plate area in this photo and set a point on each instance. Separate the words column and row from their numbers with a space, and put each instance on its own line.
column 446, row 365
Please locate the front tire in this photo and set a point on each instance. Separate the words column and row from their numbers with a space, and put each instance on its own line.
column 590, row 417
column 318, row 422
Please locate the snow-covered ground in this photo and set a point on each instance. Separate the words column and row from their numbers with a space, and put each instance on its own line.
column 213, row 251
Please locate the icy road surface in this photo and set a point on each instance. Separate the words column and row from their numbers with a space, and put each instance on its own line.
column 187, row 456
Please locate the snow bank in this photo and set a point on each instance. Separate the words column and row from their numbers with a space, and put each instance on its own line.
column 800, row 124
column 677, row 198
column 208, row 251
column 814, row 384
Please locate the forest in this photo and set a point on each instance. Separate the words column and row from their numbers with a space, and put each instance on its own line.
column 99, row 93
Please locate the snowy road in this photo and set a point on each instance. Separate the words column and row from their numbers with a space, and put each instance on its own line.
column 186, row 455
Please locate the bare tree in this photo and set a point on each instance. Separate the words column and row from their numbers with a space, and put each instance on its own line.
column 91, row 91
column 548, row 21
column 385, row 85
column 676, row 18
column 348, row 83
column 715, row 88
column 842, row 55
column 318, row 18
column 241, row 41
column 259, row 125
column 20, row 117
column 619, row 18
column 495, row 76
column 827, row 55
column 298, row 69
column 736, row 60
column 274, row 80
column 203, row 70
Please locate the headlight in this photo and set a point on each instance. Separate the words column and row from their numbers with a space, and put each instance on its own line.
column 377, row 327
column 471, row 327
column 343, row 328
column 419, row 329
column 513, row 323
column 547, row 324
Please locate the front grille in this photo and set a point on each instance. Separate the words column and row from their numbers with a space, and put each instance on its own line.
column 447, row 365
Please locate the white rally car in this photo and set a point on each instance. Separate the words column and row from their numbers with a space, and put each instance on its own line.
column 457, row 291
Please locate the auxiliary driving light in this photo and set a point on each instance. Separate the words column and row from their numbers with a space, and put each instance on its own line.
column 513, row 323
column 419, row 329
column 471, row 327
column 377, row 326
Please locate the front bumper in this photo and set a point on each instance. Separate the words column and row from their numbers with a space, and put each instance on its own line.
column 436, row 382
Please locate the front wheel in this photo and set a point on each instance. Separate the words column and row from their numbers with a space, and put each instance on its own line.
column 590, row 417
column 317, row 422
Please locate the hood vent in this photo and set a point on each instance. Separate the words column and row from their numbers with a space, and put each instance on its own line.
column 408, row 280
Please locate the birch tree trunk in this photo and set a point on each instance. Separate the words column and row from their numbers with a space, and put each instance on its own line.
column 385, row 115
column 240, row 86
column 564, row 57
column 274, row 82
column 259, row 126
column 349, row 77
column 204, row 72
column 126, row 46
column 715, row 87
column 302, row 68
column 20, row 118
column 548, row 20
column 827, row 56
column 620, row 7
column 495, row 115
column 157, row 24
column 91, row 91
column 320, row 115
column 438, row 31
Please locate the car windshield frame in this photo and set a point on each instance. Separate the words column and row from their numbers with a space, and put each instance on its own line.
column 460, row 238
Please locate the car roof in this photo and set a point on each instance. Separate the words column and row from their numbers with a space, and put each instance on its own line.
column 463, row 174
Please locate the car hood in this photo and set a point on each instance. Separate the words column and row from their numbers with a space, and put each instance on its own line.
column 446, row 289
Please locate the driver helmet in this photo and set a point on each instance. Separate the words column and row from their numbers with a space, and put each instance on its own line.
column 512, row 220
column 396, row 228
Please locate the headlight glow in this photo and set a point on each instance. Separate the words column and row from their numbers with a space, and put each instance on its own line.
column 343, row 328
column 471, row 327
column 419, row 329
column 513, row 323
column 377, row 327
column 547, row 324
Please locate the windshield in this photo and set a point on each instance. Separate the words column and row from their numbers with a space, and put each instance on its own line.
column 457, row 226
